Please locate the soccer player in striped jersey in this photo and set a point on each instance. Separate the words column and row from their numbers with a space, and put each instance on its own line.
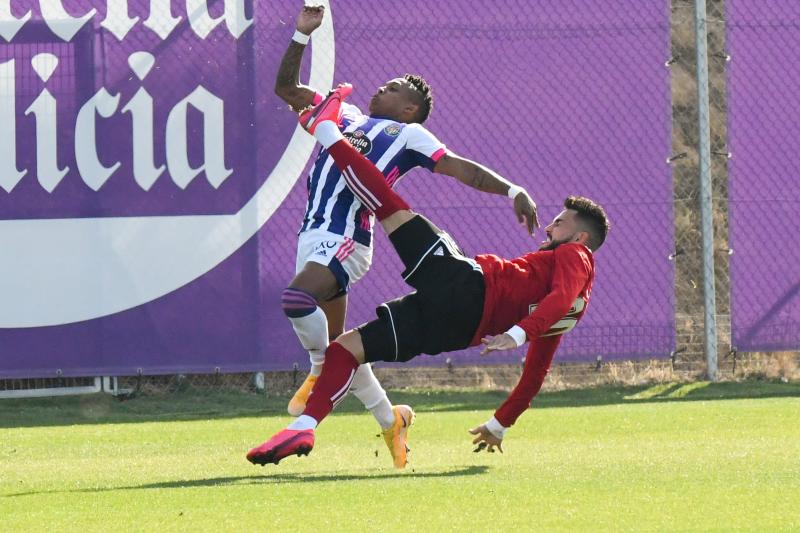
column 458, row 301
column 335, row 240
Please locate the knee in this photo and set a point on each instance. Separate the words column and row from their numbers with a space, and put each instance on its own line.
column 351, row 341
column 296, row 303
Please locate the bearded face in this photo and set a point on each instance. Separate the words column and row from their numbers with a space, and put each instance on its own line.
column 563, row 229
column 551, row 244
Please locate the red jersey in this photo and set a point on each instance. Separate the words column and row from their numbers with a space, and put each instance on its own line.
column 545, row 293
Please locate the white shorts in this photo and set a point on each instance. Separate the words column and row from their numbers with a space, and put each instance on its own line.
column 347, row 259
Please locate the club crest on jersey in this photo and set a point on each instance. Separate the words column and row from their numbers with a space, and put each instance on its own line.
column 360, row 141
column 392, row 130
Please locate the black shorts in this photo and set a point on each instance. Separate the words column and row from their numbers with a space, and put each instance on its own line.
column 443, row 313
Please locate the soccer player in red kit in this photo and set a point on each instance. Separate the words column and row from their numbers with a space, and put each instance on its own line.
column 458, row 302
column 334, row 247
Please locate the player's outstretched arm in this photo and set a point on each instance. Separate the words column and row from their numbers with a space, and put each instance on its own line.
column 537, row 364
column 484, row 179
column 287, row 83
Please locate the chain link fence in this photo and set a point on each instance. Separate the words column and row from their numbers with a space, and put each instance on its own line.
column 563, row 99
column 764, row 111
column 688, row 255
column 560, row 99
column 748, row 48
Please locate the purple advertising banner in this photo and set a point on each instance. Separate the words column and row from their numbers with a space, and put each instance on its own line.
column 153, row 184
column 764, row 190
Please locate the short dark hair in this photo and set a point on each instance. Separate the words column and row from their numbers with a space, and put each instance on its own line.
column 424, row 96
column 592, row 217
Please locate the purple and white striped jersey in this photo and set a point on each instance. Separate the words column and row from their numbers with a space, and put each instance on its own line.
column 394, row 147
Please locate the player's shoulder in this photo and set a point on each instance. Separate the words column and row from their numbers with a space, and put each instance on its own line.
column 415, row 128
column 574, row 252
column 351, row 111
column 572, row 249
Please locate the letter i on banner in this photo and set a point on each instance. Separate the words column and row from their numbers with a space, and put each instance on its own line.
column 44, row 109
column 9, row 175
column 145, row 171
column 93, row 172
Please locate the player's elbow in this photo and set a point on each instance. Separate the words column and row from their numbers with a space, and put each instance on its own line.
column 284, row 92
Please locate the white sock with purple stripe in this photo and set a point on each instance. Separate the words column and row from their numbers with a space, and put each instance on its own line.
column 312, row 330
column 327, row 133
column 309, row 323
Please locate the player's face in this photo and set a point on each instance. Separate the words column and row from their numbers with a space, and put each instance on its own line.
column 392, row 99
column 563, row 229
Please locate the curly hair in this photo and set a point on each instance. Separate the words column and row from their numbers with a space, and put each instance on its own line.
column 592, row 217
column 424, row 96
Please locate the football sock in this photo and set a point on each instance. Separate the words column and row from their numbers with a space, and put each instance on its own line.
column 327, row 133
column 366, row 181
column 303, row 422
column 334, row 381
column 309, row 323
column 367, row 388
column 317, row 358
column 383, row 413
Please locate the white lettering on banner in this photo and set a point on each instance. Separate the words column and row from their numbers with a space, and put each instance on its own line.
column 140, row 107
column 161, row 20
column 103, row 104
column 9, row 24
column 212, row 109
column 9, row 175
column 44, row 109
column 60, row 22
column 119, row 22
column 66, row 270
column 202, row 23
column 92, row 171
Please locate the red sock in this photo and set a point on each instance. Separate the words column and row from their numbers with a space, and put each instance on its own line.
column 366, row 181
column 333, row 383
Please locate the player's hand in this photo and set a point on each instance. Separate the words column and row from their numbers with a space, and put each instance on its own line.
column 310, row 19
column 485, row 440
column 525, row 208
column 493, row 343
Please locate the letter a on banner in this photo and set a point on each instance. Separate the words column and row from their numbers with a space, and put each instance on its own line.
column 212, row 109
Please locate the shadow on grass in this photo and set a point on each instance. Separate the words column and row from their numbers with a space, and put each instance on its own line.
column 272, row 479
column 224, row 404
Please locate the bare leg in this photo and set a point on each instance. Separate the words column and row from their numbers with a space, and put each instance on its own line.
column 336, row 311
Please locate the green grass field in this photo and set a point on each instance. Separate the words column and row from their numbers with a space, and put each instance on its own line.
column 673, row 458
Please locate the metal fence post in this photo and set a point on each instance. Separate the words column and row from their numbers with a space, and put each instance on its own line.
column 704, row 148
